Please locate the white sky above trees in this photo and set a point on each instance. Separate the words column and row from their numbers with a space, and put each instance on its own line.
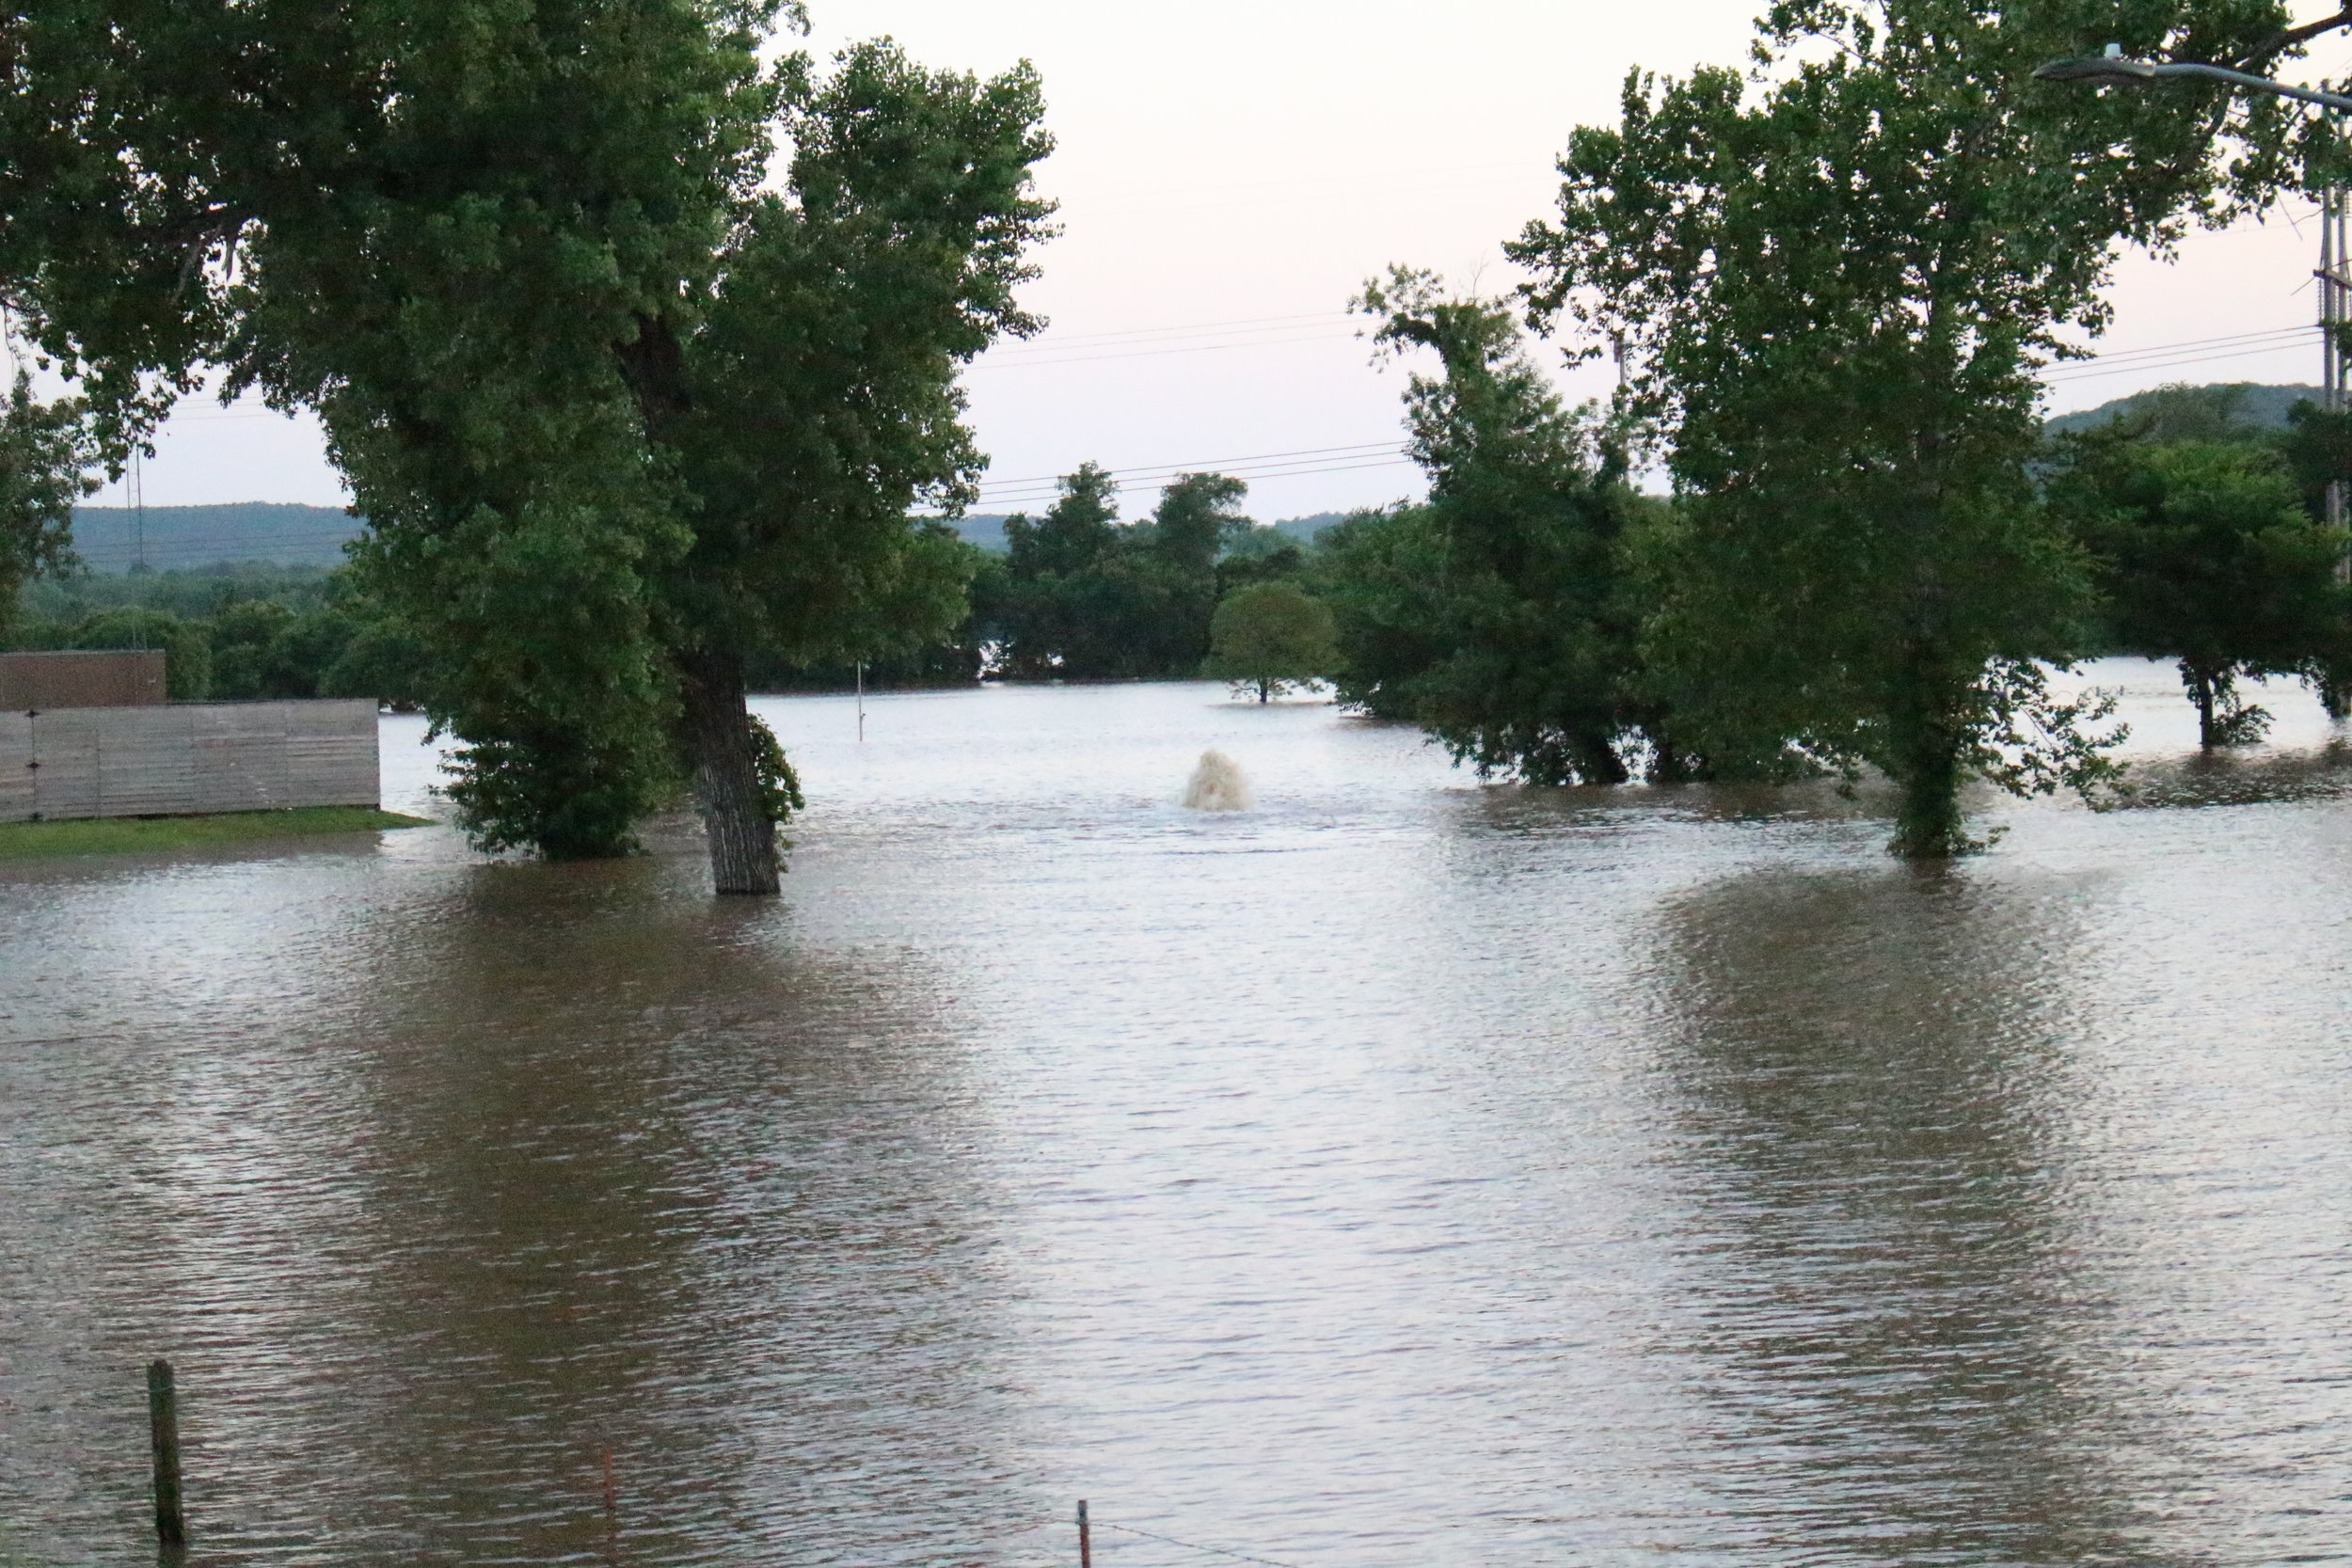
column 1230, row 172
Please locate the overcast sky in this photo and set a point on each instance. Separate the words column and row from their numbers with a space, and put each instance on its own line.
column 1231, row 170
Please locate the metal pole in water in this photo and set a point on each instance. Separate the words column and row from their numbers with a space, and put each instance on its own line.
column 163, row 1432
column 1085, row 1538
column 612, row 1511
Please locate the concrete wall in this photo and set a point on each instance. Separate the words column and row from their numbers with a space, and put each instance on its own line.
column 190, row 757
column 81, row 680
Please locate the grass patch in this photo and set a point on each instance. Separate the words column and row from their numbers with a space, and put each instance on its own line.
column 135, row 836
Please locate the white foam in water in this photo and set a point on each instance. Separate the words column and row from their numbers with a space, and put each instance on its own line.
column 1217, row 784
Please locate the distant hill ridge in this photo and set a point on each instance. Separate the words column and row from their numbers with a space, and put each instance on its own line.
column 2261, row 406
column 109, row 538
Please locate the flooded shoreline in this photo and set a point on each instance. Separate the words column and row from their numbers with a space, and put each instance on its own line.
column 1400, row 1172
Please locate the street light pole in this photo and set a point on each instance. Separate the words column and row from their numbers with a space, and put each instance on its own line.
column 2113, row 68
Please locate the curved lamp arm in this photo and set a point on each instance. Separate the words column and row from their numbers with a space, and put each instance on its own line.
column 2109, row 69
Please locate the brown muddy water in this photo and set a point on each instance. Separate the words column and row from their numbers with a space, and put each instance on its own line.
column 1402, row 1174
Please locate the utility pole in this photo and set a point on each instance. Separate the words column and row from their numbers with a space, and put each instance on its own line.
column 2113, row 68
column 2335, row 320
column 2335, row 309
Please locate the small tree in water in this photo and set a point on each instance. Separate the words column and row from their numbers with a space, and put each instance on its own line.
column 2205, row 553
column 1274, row 637
column 1500, row 613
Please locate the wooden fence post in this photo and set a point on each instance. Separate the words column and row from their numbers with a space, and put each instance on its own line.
column 163, row 1432
column 1086, row 1540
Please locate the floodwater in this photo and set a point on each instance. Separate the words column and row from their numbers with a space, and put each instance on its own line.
column 1401, row 1174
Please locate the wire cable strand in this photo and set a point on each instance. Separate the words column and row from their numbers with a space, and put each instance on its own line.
column 1208, row 465
column 1194, row 1545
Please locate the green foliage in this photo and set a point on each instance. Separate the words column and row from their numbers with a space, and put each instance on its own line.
column 2243, row 408
column 1083, row 596
column 779, row 784
column 1383, row 575
column 187, row 651
column 610, row 408
column 247, row 663
column 2179, row 412
column 816, row 400
column 2204, row 552
column 441, row 228
column 236, row 637
column 1834, row 292
column 1274, row 637
column 1501, row 615
column 152, row 835
column 45, row 460
column 2317, row 448
column 193, row 594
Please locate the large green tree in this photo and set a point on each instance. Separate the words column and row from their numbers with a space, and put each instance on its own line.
column 1501, row 615
column 814, row 401
column 1836, row 278
column 509, row 252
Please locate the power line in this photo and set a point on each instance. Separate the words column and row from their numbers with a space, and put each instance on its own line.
column 2234, row 338
column 1241, row 324
column 994, row 362
column 1206, row 465
column 2094, row 372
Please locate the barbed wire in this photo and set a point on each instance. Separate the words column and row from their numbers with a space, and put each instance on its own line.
column 1194, row 1545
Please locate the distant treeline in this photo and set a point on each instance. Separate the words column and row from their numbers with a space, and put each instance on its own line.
column 201, row 539
column 1074, row 594
column 230, row 632
column 1501, row 615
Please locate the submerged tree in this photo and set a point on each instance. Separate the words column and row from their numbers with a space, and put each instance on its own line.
column 1836, row 289
column 2205, row 554
column 1500, row 614
column 515, row 258
column 1272, row 638
column 1084, row 596
column 815, row 402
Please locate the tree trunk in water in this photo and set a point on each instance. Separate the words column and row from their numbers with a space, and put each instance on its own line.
column 726, row 775
column 1597, row 759
column 2201, row 683
column 1263, row 688
column 1929, row 825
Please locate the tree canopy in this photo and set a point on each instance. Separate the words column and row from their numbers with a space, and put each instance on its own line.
column 1500, row 613
column 611, row 409
column 1835, row 281
column 44, row 469
column 1084, row 596
column 1272, row 638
